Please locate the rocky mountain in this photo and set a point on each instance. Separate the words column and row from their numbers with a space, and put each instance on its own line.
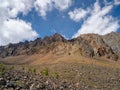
column 88, row 45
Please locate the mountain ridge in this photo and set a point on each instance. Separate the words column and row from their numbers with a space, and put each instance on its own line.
column 88, row 45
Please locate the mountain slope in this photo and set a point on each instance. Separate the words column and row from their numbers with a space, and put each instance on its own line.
column 88, row 45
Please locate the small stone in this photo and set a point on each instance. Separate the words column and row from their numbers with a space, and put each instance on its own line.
column 32, row 86
column 10, row 85
column 2, row 81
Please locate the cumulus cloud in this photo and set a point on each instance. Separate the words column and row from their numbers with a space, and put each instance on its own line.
column 99, row 21
column 44, row 6
column 78, row 14
column 13, row 30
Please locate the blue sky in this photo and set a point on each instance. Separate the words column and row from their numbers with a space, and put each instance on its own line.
column 56, row 21
column 28, row 19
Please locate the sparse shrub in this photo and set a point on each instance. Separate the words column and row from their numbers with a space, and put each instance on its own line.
column 1, row 64
column 18, row 83
column 1, row 73
column 56, row 75
column 12, row 67
column 3, row 68
column 45, row 72
column 69, row 53
column 32, row 70
column 23, row 68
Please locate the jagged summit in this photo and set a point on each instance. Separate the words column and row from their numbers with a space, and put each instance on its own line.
column 55, row 38
column 89, row 45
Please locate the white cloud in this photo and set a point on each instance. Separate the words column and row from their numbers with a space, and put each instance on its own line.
column 13, row 7
column 62, row 4
column 44, row 6
column 78, row 14
column 117, row 2
column 15, row 30
column 99, row 21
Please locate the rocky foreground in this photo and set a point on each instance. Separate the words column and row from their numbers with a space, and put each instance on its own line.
column 17, row 80
column 12, row 79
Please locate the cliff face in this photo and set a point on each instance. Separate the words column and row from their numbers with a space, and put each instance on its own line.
column 88, row 45
column 113, row 40
column 101, row 46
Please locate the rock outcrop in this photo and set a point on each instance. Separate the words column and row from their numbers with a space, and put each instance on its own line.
column 100, row 46
column 113, row 40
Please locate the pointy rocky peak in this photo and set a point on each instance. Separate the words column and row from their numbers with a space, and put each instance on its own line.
column 47, row 40
column 58, row 37
column 55, row 38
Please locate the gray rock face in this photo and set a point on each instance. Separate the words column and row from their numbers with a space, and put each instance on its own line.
column 89, row 45
column 113, row 40
column 84, row 46
column 100, row 46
